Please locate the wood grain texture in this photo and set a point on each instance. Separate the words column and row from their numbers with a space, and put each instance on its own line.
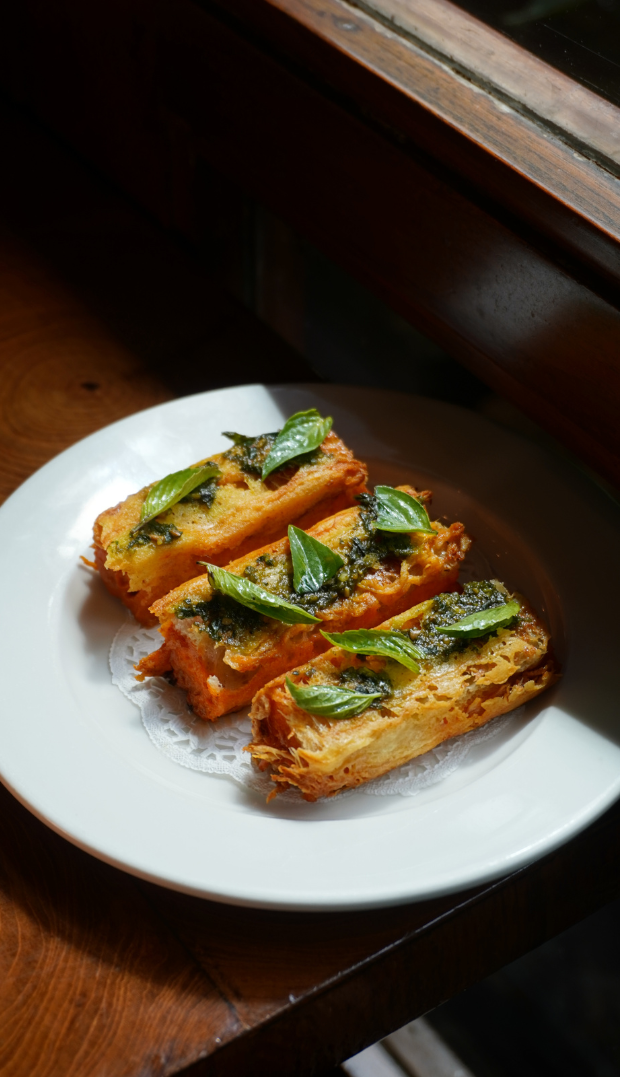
column 448, row 264
column 545, row 176
column 478, row 224
column 492, row 60
column 99, row 315
column 91, row 980
column 63, row 374
column 315, row 989
column 101, row 974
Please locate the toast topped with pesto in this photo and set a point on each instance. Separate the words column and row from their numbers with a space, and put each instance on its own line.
column 223, row 507
column 379, row 699
column 229, row 632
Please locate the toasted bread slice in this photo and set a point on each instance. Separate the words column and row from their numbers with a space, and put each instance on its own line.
column 239, row 513
column 222, row 652
column 461, row 685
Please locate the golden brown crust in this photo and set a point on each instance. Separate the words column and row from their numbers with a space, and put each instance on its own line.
column 323, row 756
column 220, row 678
column 247, row 513
column 117, row 584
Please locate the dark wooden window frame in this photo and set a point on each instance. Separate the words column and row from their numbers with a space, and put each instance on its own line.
column 466, row 182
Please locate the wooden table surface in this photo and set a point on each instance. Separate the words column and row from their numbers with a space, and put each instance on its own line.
column 100, row 973
column 489, row 221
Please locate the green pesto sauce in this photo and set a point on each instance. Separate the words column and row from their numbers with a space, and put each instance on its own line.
column 446, row 609
column 159, row 534
column 366, row 547
column 249, row 454
column 274, row 574
column 225, row 620
column 362, row 550
column 205, row 494
column 362, row 679
column 155, row 534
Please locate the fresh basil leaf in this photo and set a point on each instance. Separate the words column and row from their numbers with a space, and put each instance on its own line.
column 313, row 562
column 326, row 701
column 168, row 491
column 256, row 598
column 386, row 644
column 479, row 624
column 237, row 439
column 303, row 432
column 398, row 511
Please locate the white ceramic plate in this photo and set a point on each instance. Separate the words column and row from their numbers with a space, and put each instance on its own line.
column 74, row 751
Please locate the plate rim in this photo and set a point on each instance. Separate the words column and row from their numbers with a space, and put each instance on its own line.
column 550, row 843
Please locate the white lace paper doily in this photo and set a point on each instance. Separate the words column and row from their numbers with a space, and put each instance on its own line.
column 217, row 747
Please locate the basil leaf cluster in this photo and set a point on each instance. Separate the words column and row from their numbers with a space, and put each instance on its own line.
column 313, row 562
column 398, row 511
column 480, row 624
column 303, row 432
column 169, row 490
column 384, row 644
column 326, row 701
column 257, row 598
